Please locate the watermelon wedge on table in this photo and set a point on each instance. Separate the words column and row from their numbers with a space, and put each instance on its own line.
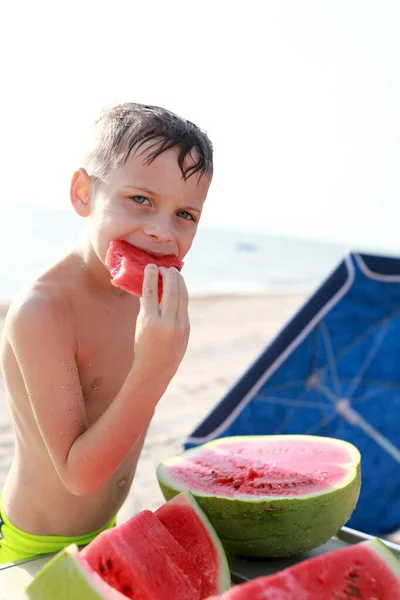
column 364, row 571
column 172, row 554
column 269, row 496
column 142, row 560
column 188, row 524
column 127, row 264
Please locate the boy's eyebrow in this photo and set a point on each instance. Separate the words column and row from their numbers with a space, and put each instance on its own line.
column 153, row 193
column 192, row 208
column 143, row 189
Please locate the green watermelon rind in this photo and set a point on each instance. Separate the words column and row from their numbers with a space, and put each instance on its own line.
column 267, row 526
column 385, row 554
column 66, row 576
column 225, row 575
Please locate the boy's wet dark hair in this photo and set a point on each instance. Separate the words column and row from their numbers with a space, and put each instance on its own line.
column 126, row 127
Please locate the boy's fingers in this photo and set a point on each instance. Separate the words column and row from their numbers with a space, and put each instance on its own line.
column 183, row 300
column 150, row 288
column 169, row 301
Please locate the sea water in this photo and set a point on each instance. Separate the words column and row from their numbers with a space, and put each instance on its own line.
column 220, row 261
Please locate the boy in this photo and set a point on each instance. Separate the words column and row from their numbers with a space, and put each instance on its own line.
column 86, row 363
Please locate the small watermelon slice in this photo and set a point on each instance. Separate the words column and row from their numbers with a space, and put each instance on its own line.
column 189, row 525
column 127, row 264
column 143, row 561
column 367, row 570
column 67, row 575
column 269, row 496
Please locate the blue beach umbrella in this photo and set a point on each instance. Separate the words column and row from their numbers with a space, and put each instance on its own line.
column 334, row 370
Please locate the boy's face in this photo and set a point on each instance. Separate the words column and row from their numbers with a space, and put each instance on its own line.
column 148, row 205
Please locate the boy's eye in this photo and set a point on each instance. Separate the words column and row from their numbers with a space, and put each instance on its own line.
column 139, row 199
column 185, row 215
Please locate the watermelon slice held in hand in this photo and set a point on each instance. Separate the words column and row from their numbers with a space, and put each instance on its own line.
column 127, row 264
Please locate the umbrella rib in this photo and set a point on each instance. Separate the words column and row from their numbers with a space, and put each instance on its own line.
column 287, row 402
column 287, row 386
column 372, row 396
column 321, row 423
column 331, row 357
column 370, row 356
column 366, row 333
column 354, row 418
column 385, row 385
column 286, row 420
column 326, row 392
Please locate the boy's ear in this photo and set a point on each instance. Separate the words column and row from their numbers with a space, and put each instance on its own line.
column 80, row 192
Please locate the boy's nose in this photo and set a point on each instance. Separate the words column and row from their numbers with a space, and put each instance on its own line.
column 160, row 230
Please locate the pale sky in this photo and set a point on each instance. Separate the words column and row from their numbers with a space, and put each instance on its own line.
column 300, row 98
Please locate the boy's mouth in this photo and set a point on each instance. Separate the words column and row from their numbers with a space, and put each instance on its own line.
column 153, row 253
column 160, row 258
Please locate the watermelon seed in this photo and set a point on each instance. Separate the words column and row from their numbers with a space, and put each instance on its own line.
column 102, row 568
column 126, row 589
column 353, row 592
column 109, row 563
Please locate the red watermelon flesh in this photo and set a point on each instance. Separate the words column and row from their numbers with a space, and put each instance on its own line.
column 240, row 470
column 364, row 571
column 142, row 560
column 127, row 264
column 188, row 524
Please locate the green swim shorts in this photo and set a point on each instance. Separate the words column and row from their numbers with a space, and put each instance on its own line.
column 16, row 545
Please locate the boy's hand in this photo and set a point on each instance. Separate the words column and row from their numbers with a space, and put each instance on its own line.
column 162, row 330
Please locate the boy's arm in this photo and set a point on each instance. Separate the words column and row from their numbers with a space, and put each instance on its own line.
column 45, row 347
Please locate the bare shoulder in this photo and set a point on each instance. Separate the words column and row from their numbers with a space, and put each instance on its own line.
column 41, row 308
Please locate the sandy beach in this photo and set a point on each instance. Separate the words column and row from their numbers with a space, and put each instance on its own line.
column 227, row 334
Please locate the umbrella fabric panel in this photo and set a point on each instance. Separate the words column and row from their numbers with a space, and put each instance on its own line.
column 335, row 371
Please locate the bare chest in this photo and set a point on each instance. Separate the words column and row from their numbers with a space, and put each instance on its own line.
column 105, row 354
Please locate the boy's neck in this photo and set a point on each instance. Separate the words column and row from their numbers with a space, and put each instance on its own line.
column 95, row 273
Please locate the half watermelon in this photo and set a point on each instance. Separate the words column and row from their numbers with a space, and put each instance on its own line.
column 269, row 496
column 365, row 571
column 127, row 264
